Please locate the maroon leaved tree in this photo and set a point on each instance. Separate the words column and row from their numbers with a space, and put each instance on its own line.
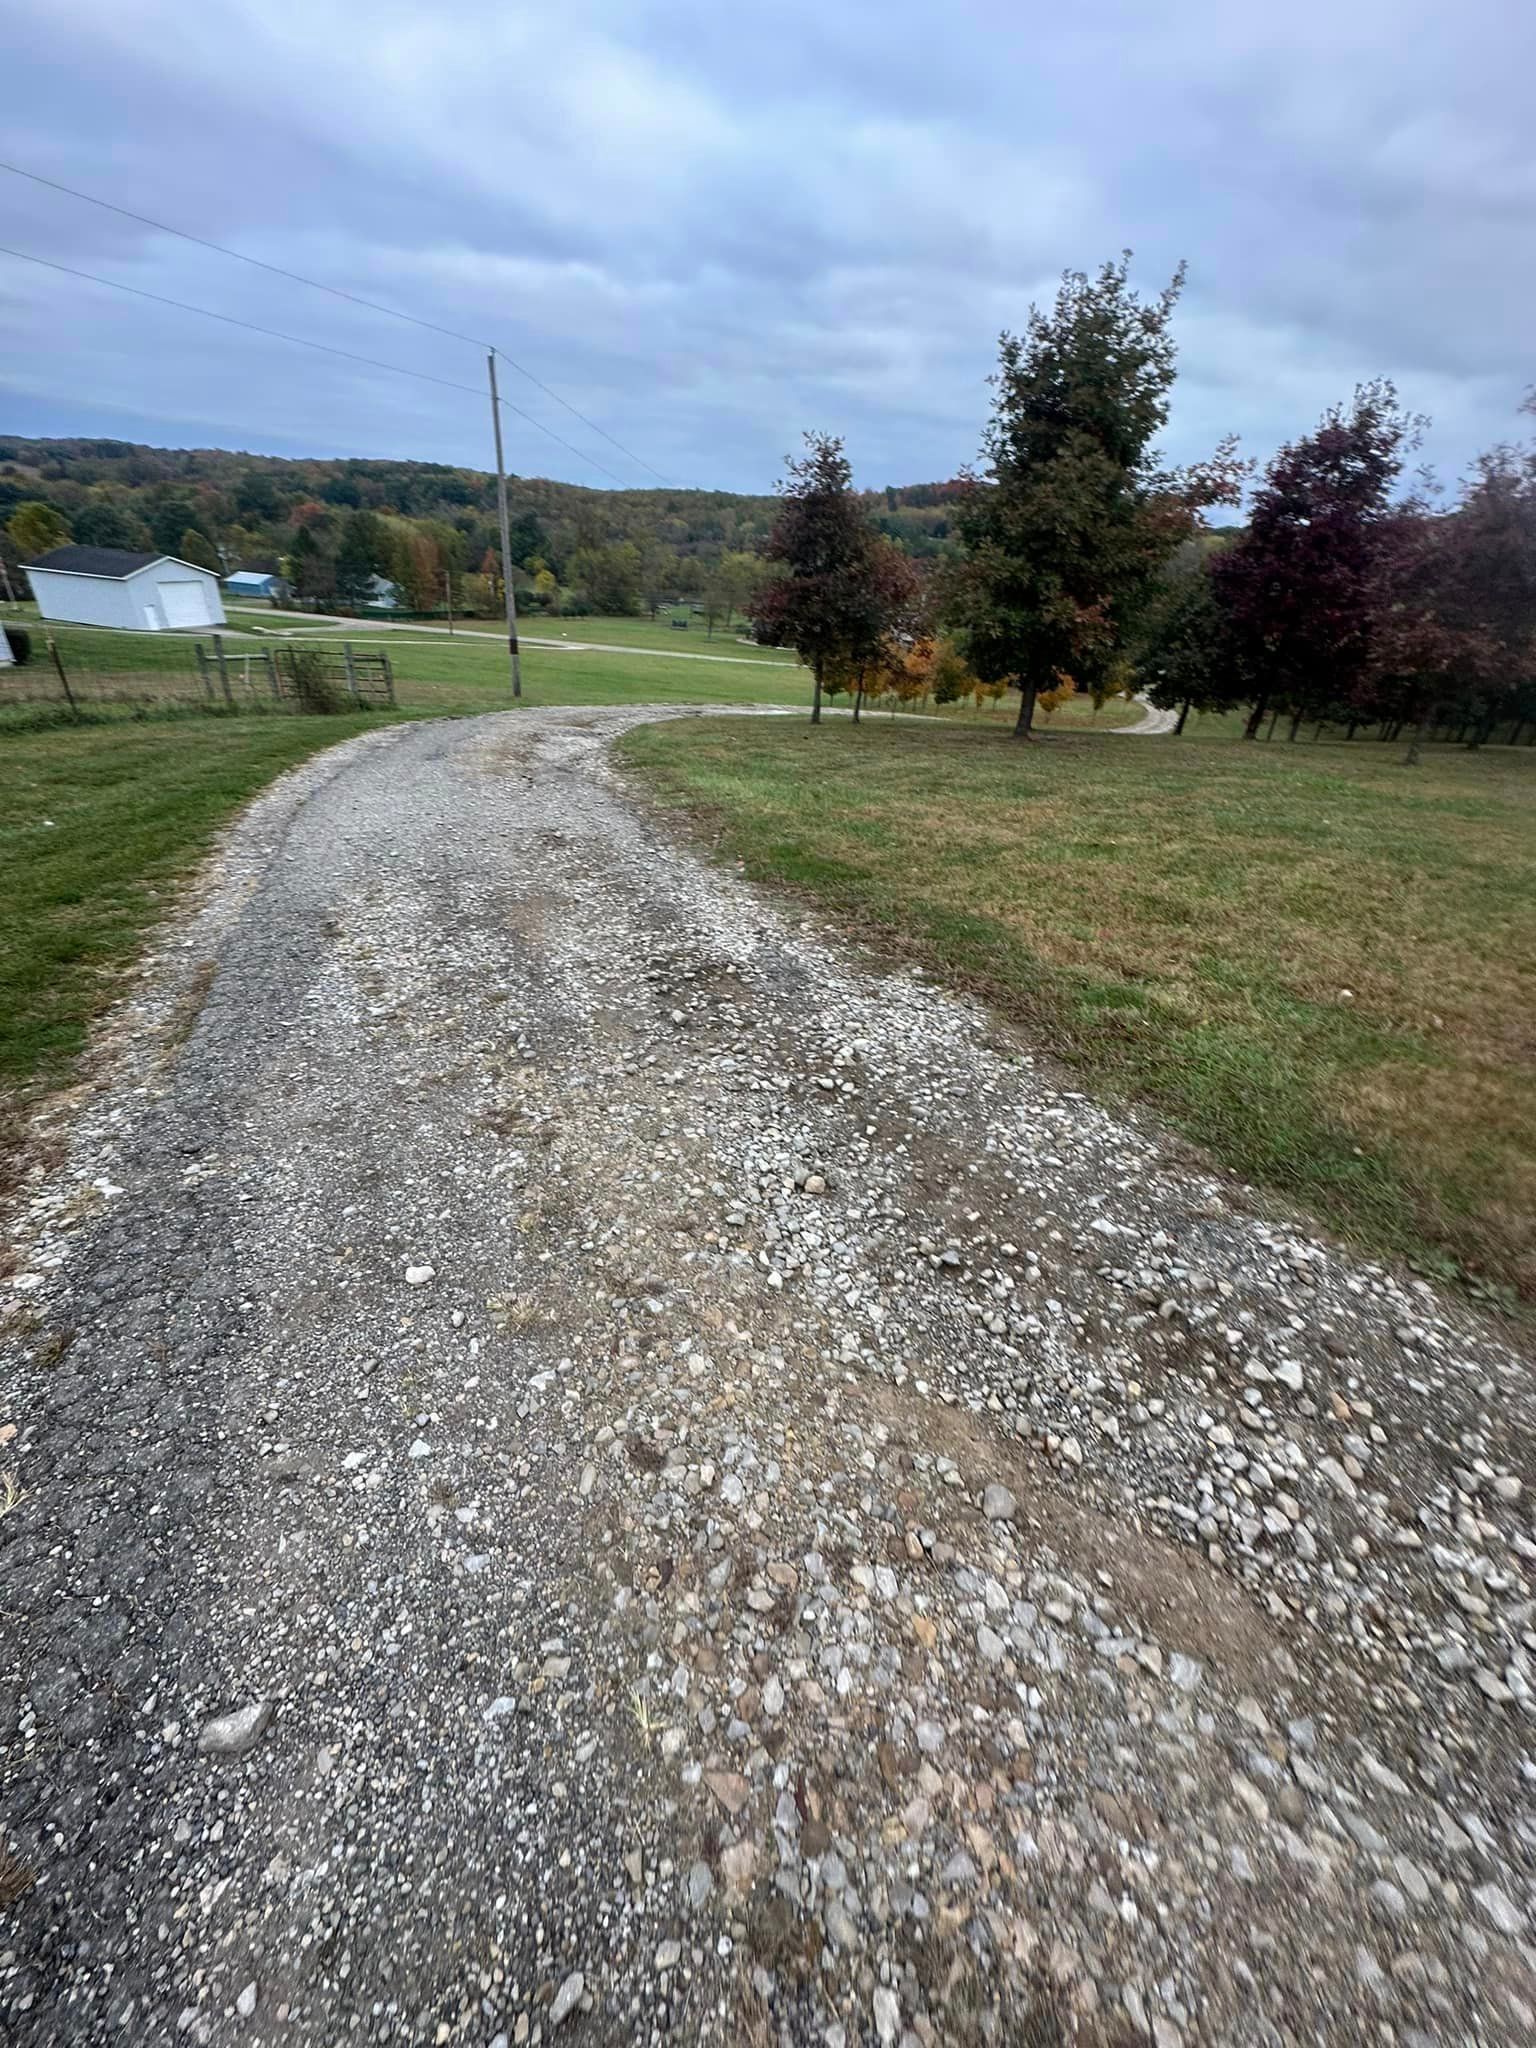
column 1300, row 590
column 826, row 601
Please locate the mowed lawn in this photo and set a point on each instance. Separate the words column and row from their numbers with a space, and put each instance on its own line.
column 1312, row 960
column 97, row 824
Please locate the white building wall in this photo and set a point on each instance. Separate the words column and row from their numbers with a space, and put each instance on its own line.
column 132, row 604
column 5, row 650
column 86, row 600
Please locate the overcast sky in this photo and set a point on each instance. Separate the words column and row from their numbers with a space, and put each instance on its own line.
column 712, row 226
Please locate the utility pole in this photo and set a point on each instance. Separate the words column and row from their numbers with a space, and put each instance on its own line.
column 448, row 593
column 506, row 537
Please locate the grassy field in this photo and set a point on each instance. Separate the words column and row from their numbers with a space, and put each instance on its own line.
column 656, row 634
column 439, row 676
column 97, row 823
column 1312, row 960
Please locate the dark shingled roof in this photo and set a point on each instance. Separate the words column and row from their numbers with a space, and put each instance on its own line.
column 79, row 561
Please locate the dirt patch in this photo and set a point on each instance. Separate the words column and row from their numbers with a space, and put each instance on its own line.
column 1172, row 1588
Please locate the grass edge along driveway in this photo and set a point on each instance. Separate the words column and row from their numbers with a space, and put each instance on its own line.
column 1312, row 961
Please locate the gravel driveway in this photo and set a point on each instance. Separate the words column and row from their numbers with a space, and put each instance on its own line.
column 585, row 1464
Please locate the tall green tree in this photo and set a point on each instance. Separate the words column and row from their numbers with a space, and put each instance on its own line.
column 106, row 524
column 1186, row 658
column 366, row 550
column 824, row 602
column 197, row 548
column 609, row 578
column 37, row 527
column 1064, row 534
column 169, row 518
column 311, row 570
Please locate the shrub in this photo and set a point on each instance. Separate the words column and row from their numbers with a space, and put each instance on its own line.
column 19, row 640
column 311, row 685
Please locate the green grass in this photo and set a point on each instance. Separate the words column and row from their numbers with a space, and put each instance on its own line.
column 656, row 634
column 97, row 825
column 1312, row 960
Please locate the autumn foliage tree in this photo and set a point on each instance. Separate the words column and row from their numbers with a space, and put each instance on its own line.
column 1066, row 530
column 825, row 601
column 1298, row 591
column 37, row 528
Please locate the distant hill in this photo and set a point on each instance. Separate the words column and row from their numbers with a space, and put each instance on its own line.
column 250, row 506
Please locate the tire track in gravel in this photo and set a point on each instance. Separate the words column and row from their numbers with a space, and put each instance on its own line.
column 847, row 1542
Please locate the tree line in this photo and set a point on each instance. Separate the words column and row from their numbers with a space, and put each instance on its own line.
column 429, row 528
column 1079, row 561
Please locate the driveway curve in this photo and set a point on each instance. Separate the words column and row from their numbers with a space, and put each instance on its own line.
column 581, row 1462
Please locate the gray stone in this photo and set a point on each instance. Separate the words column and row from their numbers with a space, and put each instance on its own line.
column 1388, row 1900
column 1186, row 1672
column 700, row 1885
column 567, row 1998
column 238, row 1732
column 887, row 2016
column 998, row 1503
column 1500, row 1909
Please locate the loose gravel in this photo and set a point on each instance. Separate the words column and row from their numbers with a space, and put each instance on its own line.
column 576, row 1462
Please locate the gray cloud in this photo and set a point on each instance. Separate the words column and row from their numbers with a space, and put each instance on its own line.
column 712, row 227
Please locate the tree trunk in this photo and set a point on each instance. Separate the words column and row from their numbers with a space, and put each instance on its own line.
column 1349, row 735
column 1274, row 721
column 858, row 697
column 816, row 696
column 1411, row 758
column 1295, row 727
column 1255, row 718
column 1183, row 714
column 1026, row 718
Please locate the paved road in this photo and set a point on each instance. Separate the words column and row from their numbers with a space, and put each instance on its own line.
column 725, row 1500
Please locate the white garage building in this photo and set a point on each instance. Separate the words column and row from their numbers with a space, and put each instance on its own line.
column 81, row 586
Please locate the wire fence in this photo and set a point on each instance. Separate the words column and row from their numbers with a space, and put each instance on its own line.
column 76, row 669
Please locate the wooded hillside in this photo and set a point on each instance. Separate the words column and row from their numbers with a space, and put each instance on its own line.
column 251, row 508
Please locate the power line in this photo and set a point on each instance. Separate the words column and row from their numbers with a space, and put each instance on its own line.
column 336, row 292
column 303, row 341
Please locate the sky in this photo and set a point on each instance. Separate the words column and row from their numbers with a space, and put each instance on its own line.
column 710, row 228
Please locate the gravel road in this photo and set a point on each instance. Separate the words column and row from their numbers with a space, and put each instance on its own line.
column 576, row 1460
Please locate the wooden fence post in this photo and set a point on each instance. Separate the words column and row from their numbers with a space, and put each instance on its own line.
column 389, row 678
column 69, row 695
column 346, row 652
column 272, row 675
column 218, row 652
column 202, row 670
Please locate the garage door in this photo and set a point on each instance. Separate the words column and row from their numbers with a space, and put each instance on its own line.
column 184, row 604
